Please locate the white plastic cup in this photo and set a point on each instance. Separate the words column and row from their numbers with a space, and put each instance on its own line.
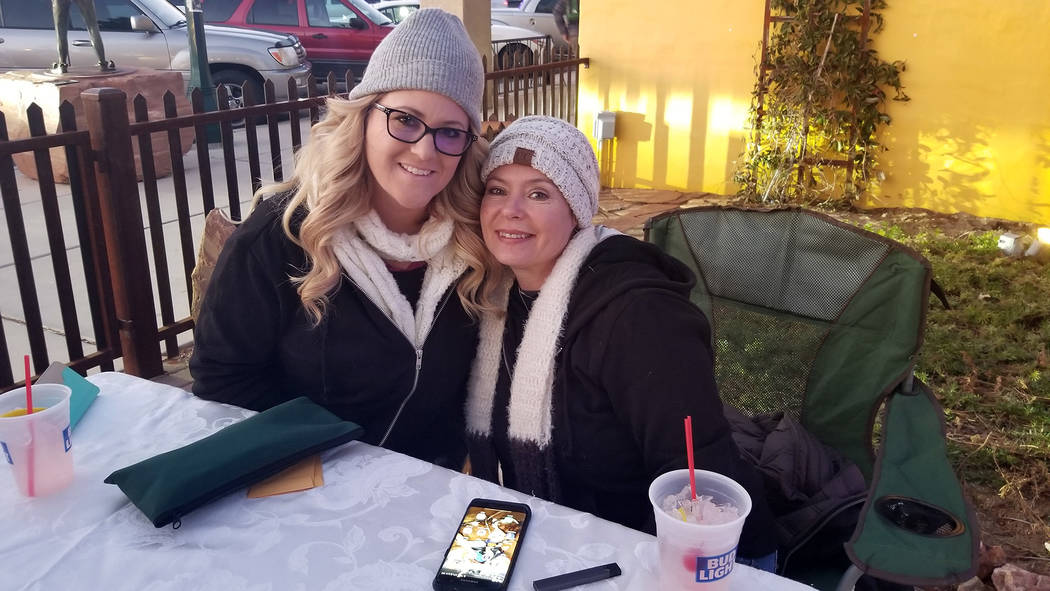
column 697, row 556
column 37, row 446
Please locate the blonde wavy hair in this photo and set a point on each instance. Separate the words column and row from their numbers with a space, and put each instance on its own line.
column 332, row 183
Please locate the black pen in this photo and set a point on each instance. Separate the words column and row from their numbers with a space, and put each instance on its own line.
column 580, row 577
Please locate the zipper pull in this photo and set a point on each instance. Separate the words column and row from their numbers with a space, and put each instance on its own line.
column 419, row 359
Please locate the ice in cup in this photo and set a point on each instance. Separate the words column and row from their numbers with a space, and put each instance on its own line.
column 37, row 446
column 698, row 548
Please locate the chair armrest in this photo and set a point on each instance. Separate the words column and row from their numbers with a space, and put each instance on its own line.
column 916, row 528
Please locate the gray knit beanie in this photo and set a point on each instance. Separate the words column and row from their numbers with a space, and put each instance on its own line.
column 559, row 151
column 429, row 50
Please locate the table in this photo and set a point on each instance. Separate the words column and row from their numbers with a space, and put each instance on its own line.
column 381, row 521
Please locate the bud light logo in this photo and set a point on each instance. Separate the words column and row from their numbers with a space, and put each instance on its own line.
column 7, row 454
column 713, row 568
column 66, row 441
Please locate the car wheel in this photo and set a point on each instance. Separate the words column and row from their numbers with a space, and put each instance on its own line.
column 235, row 82
column 511, row 53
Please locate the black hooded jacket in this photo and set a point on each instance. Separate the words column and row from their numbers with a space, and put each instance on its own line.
column 635, row 359
column 255, row 347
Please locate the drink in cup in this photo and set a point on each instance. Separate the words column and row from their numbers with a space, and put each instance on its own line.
column 37, row 446
column 697, row 540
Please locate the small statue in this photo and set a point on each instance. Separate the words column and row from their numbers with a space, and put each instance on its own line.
column 60, row 9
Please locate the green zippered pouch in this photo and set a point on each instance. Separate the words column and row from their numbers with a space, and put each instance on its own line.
column 172, row 484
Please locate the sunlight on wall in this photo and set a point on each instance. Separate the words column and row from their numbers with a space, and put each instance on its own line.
column 678, row 117
column 727, row 121
column 728, row 115
column 679, row 111
column 975, row 136
column 680, row 87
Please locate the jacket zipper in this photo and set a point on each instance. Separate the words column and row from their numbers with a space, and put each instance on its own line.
column 415, row 379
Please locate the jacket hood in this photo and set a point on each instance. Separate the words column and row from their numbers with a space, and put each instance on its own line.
column 619, row 264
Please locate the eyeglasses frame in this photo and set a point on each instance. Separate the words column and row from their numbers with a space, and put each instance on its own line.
column 428, row 130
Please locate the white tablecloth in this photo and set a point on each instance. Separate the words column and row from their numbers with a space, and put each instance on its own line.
column 381, row 521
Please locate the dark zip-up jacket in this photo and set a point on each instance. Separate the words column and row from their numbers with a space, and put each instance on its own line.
column 635, row 359
column 255, row 347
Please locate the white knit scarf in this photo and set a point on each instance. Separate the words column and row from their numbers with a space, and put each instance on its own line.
column 533, row 373
column 361, row 250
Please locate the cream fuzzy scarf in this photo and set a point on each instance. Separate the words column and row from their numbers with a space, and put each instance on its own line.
column 361, row 250
column 533, row 373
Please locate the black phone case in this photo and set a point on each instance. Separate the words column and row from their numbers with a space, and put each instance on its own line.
column 448, row 583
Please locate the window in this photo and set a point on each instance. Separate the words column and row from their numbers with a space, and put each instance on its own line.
column 274, row 12
column 328, row 13
column 19, row 14
column 113, row 15
column 398, row 13
column 218, row 11
column 546, row 6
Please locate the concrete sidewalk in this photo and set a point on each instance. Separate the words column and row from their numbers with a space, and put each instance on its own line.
column 623, row 209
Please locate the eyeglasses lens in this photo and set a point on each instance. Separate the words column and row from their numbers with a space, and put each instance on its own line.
column 450, row 141
column 408, row 128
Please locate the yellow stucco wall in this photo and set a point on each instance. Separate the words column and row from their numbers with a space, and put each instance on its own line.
column 976, row 135
column 679, row 76
column 974, row 138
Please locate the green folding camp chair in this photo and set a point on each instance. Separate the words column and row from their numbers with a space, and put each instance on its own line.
column 823, row 321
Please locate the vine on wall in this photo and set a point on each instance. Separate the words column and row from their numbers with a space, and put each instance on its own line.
column 818, row 104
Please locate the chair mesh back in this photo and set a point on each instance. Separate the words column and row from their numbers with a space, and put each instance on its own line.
column 784, row 261
column 757, row 369
column 777, row 283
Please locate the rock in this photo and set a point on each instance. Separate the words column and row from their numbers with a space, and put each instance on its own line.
column 989, row 558
column 19, row 89
column 974, row 584
column 1011, row 577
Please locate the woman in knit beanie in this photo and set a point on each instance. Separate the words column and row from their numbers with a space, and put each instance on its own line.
column 578, row 391
column 341, row 285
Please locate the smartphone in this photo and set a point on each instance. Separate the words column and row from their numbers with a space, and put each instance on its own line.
column 482, row 554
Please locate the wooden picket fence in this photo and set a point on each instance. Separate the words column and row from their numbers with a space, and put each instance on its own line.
column 123, row 254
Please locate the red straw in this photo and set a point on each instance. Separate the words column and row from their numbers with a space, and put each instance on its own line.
column 689, row 454
column 29, row 390
column 30, row 485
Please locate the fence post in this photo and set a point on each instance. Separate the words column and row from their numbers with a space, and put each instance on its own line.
column 106, row 112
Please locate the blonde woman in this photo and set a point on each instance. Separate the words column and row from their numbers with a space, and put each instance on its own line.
column 342, row 285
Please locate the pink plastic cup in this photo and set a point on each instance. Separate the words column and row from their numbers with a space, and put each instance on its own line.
column 697, row 556
column 37, row 446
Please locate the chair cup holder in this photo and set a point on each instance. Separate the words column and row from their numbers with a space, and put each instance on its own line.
column 918, row 517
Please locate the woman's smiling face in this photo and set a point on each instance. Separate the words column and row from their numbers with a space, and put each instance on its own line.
column 525, row 222
column 409, row 175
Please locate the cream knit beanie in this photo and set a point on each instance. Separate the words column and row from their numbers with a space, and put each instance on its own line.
column 429, row 50
column 559, row 151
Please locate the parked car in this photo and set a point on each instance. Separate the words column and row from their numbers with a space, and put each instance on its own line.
column 507, row 41
column 338, row 35
column 151, row 34
column 396, row 10
column 536, row 15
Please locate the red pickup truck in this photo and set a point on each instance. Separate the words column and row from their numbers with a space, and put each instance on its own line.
column 338, row 35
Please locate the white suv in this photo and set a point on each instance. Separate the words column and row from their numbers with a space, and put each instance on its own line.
column 151, row 34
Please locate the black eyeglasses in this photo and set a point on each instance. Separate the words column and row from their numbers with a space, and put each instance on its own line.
column 406, row 127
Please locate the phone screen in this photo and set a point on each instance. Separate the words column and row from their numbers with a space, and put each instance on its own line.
column 486, row 542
